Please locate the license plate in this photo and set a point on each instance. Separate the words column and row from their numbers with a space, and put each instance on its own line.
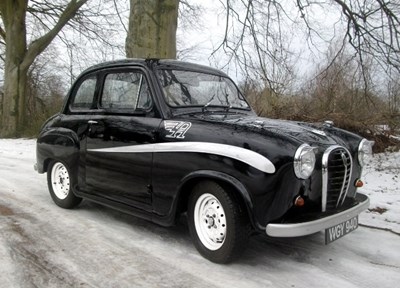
column 338, row 231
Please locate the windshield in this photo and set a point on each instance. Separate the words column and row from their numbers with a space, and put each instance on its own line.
column 188, row 88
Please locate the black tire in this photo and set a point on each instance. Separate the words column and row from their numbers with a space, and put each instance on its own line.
column 60, row 185
column 212, row 198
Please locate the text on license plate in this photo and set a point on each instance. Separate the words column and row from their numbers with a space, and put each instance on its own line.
column 339, row 230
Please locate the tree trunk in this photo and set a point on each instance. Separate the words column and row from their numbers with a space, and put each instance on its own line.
column 13, row 15
column 152, row 29
column 14, row 102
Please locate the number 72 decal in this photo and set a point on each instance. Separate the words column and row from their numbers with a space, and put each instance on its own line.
column 176, row 129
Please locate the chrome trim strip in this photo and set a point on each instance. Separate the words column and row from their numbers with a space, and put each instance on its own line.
column 247, row 156
column 324, row 191
column 307, row 228
column 345, row 179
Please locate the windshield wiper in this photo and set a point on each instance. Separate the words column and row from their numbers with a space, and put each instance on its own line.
column 205, row 107
column 208, row 104
column 195, row 110
column 229, row 107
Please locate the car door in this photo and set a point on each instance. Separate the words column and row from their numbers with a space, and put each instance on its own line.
column 127, row 119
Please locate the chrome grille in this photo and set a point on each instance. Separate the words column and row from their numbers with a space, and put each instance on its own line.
column 336, row 176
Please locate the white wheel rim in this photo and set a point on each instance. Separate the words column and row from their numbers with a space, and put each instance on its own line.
column 60, row 180
column 210, row 221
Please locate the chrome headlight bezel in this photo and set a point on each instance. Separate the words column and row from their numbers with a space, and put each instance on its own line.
column 364, row 151
column 304, row 161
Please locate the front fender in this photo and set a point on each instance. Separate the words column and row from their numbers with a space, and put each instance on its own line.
column 191, row 179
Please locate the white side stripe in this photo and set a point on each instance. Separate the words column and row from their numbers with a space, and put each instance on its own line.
column 244, row 155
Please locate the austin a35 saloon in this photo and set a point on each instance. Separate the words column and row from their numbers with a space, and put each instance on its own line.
column 158, row 138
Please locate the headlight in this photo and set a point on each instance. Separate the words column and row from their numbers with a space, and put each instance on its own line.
column 304, row 161
column 364, row 151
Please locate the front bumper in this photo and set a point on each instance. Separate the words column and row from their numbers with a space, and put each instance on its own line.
column 310, row 227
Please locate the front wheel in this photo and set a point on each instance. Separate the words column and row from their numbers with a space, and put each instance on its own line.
column 60, row 184
column 218, row 225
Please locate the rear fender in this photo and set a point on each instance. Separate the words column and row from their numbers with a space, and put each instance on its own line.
column 57, row 144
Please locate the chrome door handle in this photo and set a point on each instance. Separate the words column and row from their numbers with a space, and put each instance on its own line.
column 92, row 122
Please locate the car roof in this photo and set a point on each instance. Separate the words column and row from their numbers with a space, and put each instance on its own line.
column 161, row 63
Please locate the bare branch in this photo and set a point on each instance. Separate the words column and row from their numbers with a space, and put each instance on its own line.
column 119, row 16
column 2, row 33
column 40, row 44
column 189, row 15
column 256, row 32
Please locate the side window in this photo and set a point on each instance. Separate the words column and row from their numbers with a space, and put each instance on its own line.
column 84, row 95
column 126, row 90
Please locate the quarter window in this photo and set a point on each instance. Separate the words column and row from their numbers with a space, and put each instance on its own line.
column 127, row 90
column 84, row 95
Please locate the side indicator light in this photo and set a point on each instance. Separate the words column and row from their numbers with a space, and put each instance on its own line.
column 359, row 183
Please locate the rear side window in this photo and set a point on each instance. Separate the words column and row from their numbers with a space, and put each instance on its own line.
column 84, row 95
column 126, row 91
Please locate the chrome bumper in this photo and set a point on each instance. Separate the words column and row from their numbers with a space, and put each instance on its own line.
column 306, row 228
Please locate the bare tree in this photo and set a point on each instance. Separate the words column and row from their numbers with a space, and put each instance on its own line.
column 44, row 93
column 19, row 54
column 255, row 31
column 392, row 90
column 29, row 27
column 152, row 29
column 189, row 18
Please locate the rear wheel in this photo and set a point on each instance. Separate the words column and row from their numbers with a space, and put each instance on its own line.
column 218, row 224
column 60, row 185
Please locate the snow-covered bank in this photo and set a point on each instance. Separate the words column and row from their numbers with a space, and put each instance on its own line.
column 382, row 184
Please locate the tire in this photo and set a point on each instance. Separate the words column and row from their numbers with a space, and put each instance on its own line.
column 218, row 225
column 60, row 185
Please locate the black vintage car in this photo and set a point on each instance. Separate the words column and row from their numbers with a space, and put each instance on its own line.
column 157, row 138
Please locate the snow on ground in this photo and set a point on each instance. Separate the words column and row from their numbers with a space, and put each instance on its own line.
column 382, row 185
column 42, row 245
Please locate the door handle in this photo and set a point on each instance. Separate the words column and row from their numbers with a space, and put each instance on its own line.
column 92, row 122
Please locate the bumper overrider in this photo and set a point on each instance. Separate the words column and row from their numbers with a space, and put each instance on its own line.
column 311, row 227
